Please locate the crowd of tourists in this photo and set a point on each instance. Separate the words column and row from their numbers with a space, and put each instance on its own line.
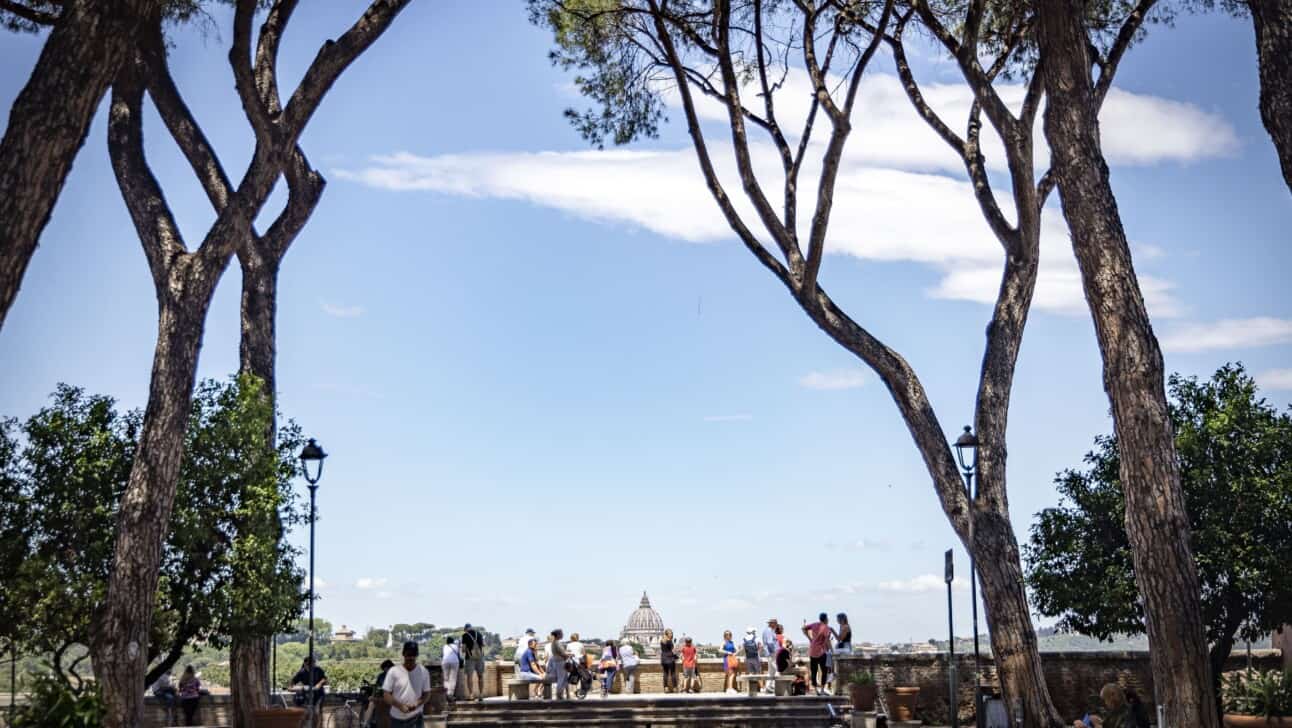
column 571, row 668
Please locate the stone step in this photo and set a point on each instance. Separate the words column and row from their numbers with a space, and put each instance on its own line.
column 707, row 712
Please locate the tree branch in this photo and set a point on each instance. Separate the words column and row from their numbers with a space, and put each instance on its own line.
column 266, row 69
column 32, row 15
column 143, row 196
column 706, row 162
column 183, row 128
column 1108, row 69
column 784, row 238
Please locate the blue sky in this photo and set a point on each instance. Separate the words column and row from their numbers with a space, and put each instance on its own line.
column 548, row 379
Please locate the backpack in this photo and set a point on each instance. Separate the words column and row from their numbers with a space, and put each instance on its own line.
column 751, row 649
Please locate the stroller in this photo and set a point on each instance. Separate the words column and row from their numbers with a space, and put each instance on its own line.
column 579, row 676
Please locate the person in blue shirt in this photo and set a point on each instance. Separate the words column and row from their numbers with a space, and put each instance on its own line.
column 527, row 667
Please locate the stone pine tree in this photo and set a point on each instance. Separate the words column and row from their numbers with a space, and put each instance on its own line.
column 1156, row 519
column 737, row 54
column 185, row 281
column 1235, row 453
column 88, row 41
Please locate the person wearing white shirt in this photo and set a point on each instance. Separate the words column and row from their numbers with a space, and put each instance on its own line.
column 406, row 690
column 450, row 662
column 630, row 661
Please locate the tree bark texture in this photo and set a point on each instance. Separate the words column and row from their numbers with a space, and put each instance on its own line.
column 1157, row 525
column 249, row 677
column 1273, row 22
column 49, row 121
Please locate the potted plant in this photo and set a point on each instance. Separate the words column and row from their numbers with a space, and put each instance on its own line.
column 1254, row 699
column 862, row 690
column 900, row 702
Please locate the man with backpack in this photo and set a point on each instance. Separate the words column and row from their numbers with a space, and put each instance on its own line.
column 473, row 662
column 750, row 645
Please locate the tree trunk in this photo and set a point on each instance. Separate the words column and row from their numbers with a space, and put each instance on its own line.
column 249, row 655
column 1157, row 525
column 124, row 623
column 1013, row 639
column 249, row 678
column 1273, row 22
column 50, row 119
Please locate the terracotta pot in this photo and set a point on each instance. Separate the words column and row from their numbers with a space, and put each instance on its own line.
column 1256, row 721
column 863, row 696
column 277, row 717
column 901, row 702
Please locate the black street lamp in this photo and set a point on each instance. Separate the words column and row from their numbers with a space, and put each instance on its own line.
column 312, row 465
column 967, row 453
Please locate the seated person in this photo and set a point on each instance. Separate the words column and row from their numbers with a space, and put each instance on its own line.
column 164, row 690
column 528, row 668
column 1116, row 713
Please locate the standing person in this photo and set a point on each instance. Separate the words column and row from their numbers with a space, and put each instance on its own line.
column 451, row 665
column 750, row 648
column 309, row 675
column 728, row 663
column 770, row 646
column 818, row 634
column 190, row 692
column 575, row 648
column 628, row 660
column 527, row 668
column 690, row 667
column 609, row 666
column 842, row 635
column 557, row 656
column 473, row 662
column 370, row 710
column 668, row 662
column 407, row 688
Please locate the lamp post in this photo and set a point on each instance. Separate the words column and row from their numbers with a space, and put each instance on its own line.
column 312, row 465
column 967, row 453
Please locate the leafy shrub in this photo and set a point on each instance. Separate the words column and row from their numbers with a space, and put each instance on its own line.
column 53, row 703
column 1252, row 692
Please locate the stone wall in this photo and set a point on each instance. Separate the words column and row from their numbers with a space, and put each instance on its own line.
column 650, row 678
column 1074, row 678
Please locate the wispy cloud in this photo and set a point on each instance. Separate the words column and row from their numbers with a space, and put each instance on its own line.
column 839, row 379
column 339, row 311
column 728, row 418
column 1275, row 379
column 860, row 544
column 370, row 582
column 922, row 583
column 1229, row 334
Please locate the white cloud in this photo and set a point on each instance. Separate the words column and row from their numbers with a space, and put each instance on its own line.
column 860, row 544
column 1279, row 379
column 338, row 311
column 728, row 418
column 895, row 200
column 922, row 583
column 1229, row 334
column 370, row 582
column 320, row 583
column 840, row 379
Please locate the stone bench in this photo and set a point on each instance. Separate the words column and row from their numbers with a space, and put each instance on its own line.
column 519, row 689
column 753, row 682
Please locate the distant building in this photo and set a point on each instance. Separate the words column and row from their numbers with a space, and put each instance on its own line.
column 645, row 627
column 345, row 634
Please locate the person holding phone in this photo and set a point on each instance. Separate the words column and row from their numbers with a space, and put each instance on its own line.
column 818, row 634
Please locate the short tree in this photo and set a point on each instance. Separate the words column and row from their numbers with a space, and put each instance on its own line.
column 65, row 477
column 1236, row 468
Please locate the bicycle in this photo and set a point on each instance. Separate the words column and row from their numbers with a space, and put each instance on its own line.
column 345, row 715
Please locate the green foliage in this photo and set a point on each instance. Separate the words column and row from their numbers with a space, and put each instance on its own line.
column 52, row 703
column 861, row 677
column 1265, row 694
column 1235, row 455
column 224, row 570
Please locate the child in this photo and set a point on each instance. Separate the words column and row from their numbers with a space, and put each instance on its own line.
column 690, row 680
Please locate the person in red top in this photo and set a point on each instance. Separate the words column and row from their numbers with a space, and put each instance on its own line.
column 690, row 682
column 818, row 634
